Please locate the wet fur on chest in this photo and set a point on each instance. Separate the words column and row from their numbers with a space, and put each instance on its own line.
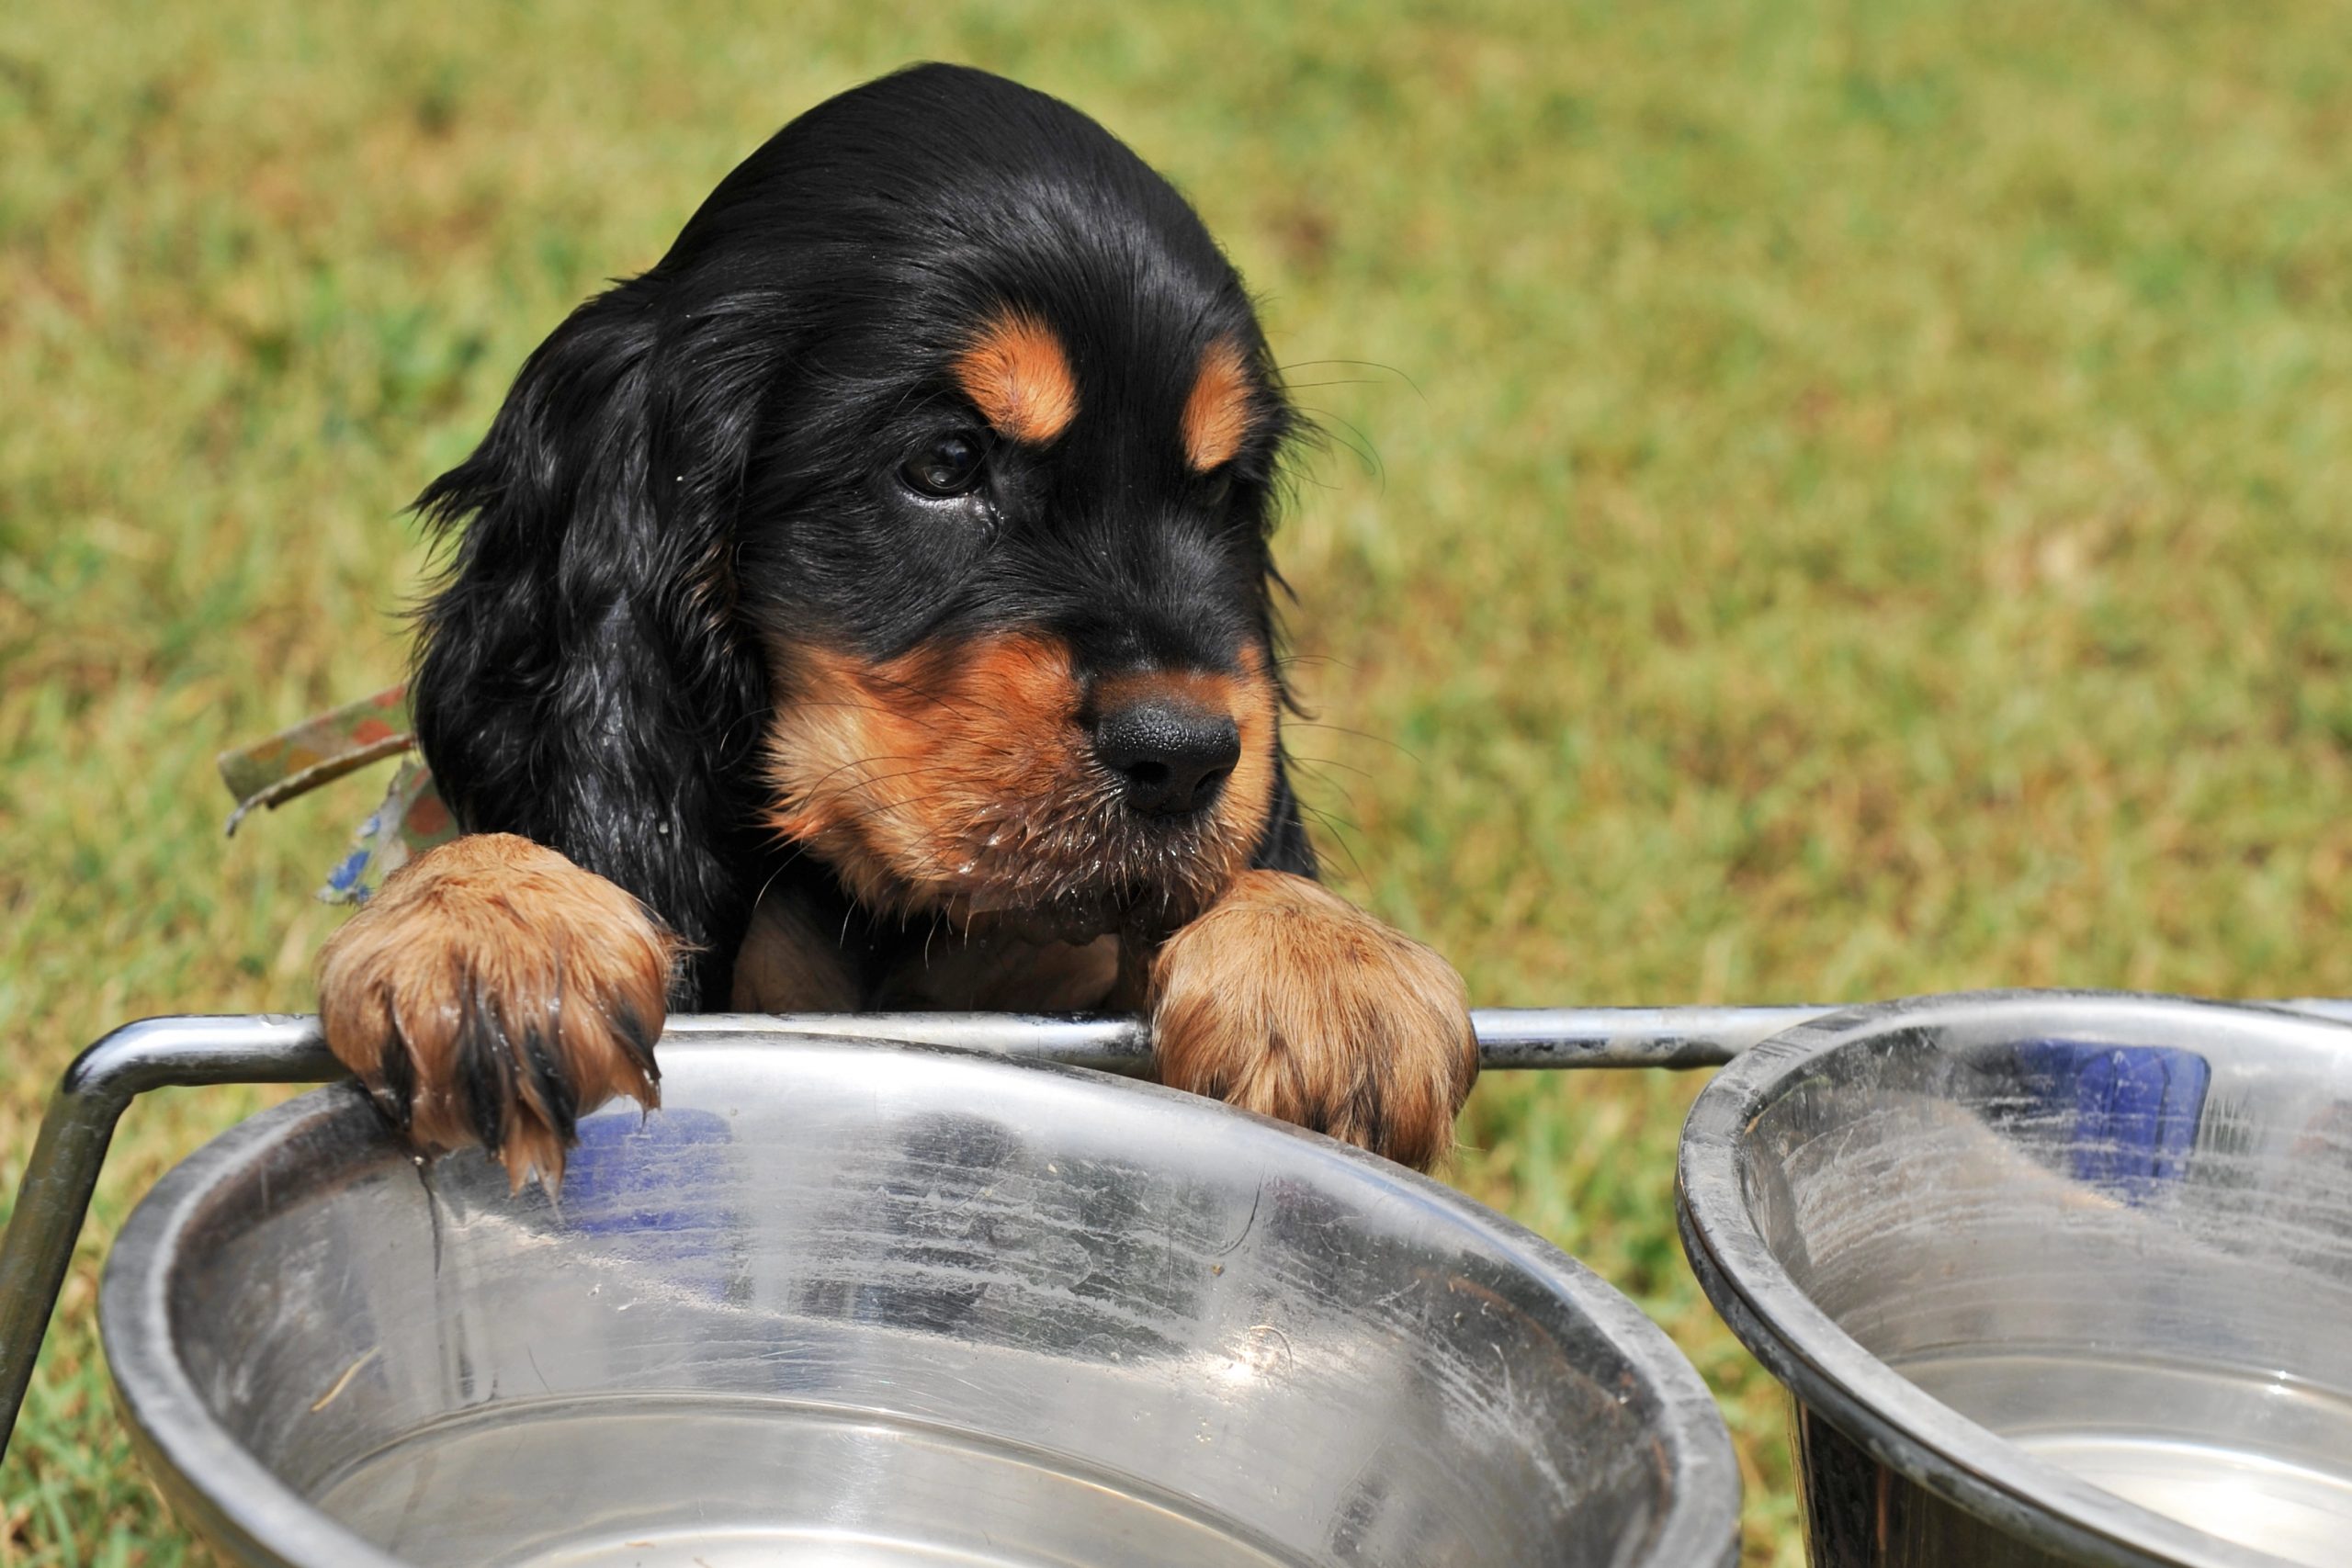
column 805, row 952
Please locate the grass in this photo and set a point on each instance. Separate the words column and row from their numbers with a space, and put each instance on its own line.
column 1859, row 505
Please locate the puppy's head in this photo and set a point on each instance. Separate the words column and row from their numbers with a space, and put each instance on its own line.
column 1003, row 543
column 946, row 415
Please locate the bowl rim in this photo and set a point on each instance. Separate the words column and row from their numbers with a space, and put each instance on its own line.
column 1826, row 1370
column 243, row 1504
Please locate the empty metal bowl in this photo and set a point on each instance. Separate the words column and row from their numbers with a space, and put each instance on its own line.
column 848, row 1304
column 2053, row 1278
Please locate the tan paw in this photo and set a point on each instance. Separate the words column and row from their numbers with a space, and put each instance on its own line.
column 492, row 992
column 1286, row 998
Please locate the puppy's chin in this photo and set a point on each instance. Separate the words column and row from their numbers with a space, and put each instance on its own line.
column 960, row 782
column 1071, row 867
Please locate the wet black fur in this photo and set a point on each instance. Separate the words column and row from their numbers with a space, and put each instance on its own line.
column 711, row 449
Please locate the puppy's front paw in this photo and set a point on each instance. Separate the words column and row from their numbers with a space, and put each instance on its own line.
column 491, row 992
column 1286, row 998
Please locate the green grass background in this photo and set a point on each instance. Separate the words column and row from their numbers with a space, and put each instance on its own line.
column 1859, row 509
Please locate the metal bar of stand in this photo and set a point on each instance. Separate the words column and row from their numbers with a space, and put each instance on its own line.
column 54, row 1196
column 1509, row 1038
column 159, row 1052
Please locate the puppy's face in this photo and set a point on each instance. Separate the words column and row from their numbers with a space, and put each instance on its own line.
column 1002, row 533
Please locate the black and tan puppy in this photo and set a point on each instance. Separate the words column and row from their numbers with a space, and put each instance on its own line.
column 871, row 606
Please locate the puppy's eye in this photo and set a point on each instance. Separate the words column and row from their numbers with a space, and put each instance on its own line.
column 1218, row 488
column 946, row 466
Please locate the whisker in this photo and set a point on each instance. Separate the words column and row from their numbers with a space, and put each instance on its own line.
column 1361, row 445
column 1391, row 742
column 1322, row 764
column 1340, row 831
column 1355, row 363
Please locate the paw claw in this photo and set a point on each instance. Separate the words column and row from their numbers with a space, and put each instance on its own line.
column 545, row 1088
column 393, row 1085
column 485, row 1069
column 630, row 1030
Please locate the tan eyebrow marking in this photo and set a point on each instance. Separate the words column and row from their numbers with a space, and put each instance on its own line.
column 1217, row 415
column 1016, row 373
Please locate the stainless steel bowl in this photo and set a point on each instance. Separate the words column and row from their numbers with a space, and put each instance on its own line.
column 850, row 1305
column 2053, row 1278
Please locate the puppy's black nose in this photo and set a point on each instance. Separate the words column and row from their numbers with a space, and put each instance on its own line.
column 1171, row 757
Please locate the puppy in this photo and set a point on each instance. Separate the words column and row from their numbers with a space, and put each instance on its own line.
column 871, row 606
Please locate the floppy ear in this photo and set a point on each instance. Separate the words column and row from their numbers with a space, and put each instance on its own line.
column 581, row 680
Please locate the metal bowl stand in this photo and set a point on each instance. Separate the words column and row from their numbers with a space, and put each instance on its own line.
column 271, row 1048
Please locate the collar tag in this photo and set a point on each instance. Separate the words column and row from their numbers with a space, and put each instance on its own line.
column 323, row 748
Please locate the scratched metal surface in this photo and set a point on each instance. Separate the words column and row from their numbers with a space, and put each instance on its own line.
column 876, row 1305
column 2055, row 1278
